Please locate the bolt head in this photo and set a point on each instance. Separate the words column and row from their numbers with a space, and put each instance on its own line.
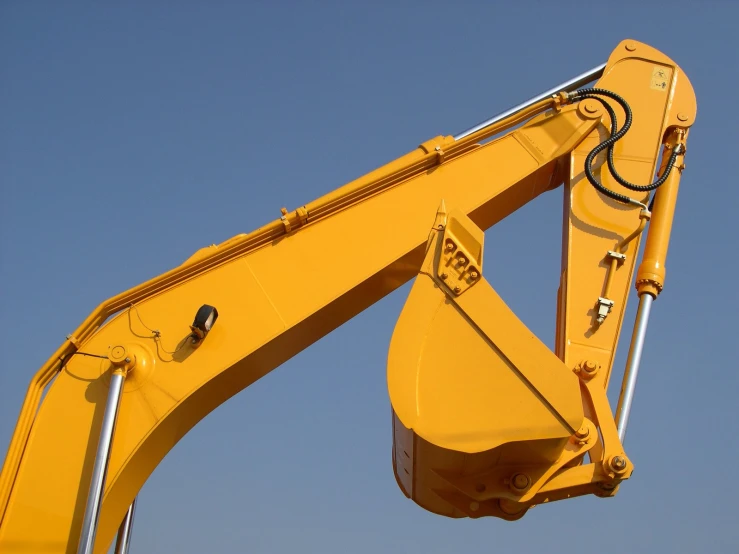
column 682, row 116
column 443, row 275
column 474, row 275
column 457, row 289
column 582, row 432
column 630, row 46
column 590, row 108
column 520, row 481
column 118, row 351
column 618, row 463
column 590, row 366
column 450, row 246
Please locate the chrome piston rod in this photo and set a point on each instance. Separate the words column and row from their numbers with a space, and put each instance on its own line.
column 568, row 86
column 628, row 386
column 100, row 469
column 124, row 531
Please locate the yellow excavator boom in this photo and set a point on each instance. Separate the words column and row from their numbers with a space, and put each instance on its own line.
column 487, row 421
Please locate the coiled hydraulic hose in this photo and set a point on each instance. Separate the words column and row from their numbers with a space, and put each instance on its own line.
column 617, row 134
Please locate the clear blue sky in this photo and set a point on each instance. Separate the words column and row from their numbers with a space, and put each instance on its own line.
column 140, row 133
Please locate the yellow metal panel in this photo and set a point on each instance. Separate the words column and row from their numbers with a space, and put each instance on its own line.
column 466, row 377
column 463, row 371
column 458, row 390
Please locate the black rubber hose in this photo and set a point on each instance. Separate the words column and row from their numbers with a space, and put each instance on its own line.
column 595, row 94
column 602, row 146
column 611, row 165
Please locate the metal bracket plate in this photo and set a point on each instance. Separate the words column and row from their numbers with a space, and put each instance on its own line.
column 460, row 258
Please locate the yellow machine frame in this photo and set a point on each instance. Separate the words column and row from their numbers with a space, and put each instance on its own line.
column 487, row 420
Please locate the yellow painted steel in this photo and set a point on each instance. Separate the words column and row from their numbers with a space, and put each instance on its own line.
column 651, row 275
column 463, row 372
column 467, row 420
column 284, row 286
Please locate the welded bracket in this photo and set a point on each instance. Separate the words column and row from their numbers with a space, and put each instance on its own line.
column 458, row 265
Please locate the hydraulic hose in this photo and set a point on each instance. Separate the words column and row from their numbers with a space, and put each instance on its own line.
column 616, row 135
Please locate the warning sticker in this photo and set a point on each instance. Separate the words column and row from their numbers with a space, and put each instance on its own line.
column 660, row 78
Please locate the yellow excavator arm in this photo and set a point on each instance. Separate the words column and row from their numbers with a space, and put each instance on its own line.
column 487, row 421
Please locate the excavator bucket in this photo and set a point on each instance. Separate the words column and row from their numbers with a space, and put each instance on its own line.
column 483, row 412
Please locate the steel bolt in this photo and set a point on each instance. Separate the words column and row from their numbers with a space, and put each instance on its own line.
column 630, row 46
column 520, row 481
column 590, row 366
column 450, row 246
column 462, row 260
column 590, row 107
column 618, row 463
column 128, row 360
column 582, row 432
column 474, row 275
column 444, row 276
column 457, row 289
column 682, row 116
